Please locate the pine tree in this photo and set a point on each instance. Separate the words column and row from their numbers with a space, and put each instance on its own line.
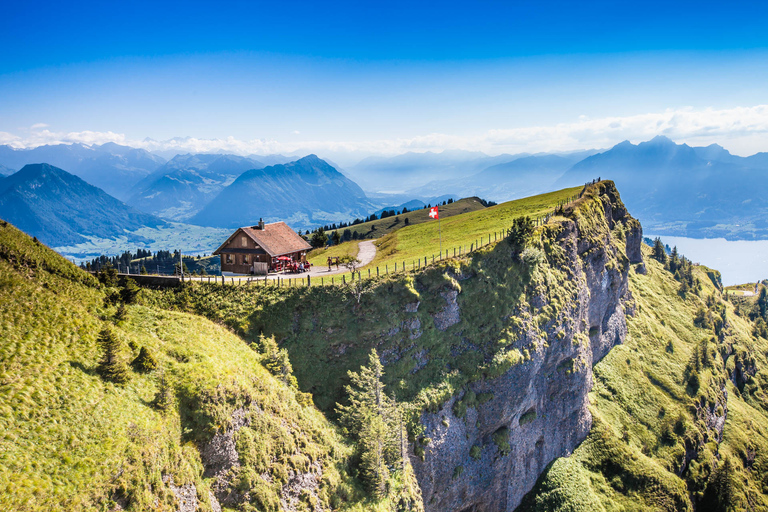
column 164, row 397
column 319, row 238
column 145, row 361
column 659, row 253
column 143, row 270
column 111, row 367
column 374, row 420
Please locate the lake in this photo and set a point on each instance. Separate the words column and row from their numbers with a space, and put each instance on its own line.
column 739, row 261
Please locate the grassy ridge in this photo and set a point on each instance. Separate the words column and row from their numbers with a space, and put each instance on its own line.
column 381, row 227
column 72, row 441
column 462, row 230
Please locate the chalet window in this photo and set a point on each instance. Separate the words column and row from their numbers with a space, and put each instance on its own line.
column 229, row 258
column 243, row 241
column 245, row 259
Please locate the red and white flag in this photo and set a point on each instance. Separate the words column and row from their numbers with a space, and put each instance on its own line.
column 433, row 212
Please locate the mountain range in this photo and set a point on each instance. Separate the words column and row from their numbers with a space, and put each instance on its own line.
column 111, row 167
column 303, row 193
column 413, row 170
column 185, row 184
column 676, row 189
column 60, row 208
column 521, row 176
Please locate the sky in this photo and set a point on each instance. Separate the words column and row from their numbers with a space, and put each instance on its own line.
column 360, row 78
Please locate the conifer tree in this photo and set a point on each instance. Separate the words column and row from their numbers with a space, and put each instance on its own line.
column 659, row 253
column 111, row 367
column 145, row 361
column 374, row 420
column 164, row 396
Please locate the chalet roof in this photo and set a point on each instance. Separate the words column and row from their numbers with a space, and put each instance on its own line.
column 277, row 239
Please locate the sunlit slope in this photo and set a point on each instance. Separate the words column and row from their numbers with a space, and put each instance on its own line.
column 71, row 441
column 658, row 403
column 463, row 230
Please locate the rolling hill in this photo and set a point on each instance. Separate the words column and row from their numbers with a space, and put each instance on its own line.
column 675, row 189
column 111, row 167
column 303, row 193
column 185, row 184
column 61, row 209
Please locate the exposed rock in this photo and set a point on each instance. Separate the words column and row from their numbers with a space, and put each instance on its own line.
column 421, row 360
column 185, row 494
column 221, row 460
column 449, row 315
column 543, row 400
column 413, row 307
column 302, row 483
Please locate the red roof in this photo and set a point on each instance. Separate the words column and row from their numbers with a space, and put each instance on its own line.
column 277, row 239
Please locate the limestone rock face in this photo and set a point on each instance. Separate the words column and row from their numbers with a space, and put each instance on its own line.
column 540, row 405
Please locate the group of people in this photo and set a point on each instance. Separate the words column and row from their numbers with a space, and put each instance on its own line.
column 298, row 267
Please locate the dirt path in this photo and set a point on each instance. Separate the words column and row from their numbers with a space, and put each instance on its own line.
column 366, row 251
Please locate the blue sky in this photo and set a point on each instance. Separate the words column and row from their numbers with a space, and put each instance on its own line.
column 384, row 77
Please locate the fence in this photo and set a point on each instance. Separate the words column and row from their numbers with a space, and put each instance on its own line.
column 402, row 266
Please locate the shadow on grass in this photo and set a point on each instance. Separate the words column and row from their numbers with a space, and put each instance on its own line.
column 80, row 366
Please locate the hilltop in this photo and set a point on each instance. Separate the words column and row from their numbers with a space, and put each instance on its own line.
column 498, row 355
column 111, row 167
column 185, row 184
column 301, row 193
column 61, row 209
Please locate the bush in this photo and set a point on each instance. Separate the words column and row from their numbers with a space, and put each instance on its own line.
column 145, row 361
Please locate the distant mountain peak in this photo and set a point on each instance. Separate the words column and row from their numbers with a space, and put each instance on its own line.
column 660, row 140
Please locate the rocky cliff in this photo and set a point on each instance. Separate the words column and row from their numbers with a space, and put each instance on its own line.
column 491, row 352
column 492, row 455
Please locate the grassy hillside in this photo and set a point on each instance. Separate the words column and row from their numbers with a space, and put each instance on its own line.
column 657, row 399
column 460, row 231
column 381, row 227
column 72, row 441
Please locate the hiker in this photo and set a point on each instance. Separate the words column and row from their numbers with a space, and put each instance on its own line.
column 329, row 263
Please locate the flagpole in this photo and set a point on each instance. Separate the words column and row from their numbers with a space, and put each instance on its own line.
column 439, row 231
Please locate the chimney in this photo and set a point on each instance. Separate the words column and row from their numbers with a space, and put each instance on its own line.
column 261, row 223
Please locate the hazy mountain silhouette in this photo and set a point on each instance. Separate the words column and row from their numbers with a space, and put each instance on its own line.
column 521, row 177
column 111, row 167
column 413, row 170
column 678, row 189
column 303, row 193
column 60, row 208
column 185, row 184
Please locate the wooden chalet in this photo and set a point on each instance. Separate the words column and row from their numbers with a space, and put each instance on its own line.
column 261, row 248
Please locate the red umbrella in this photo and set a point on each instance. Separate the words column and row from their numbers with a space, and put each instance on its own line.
column 284, row 258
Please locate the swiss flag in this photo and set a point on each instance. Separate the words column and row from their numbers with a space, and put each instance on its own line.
column 433, row 212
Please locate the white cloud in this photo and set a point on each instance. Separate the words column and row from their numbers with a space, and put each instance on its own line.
column 38, row 126
column 742, row 130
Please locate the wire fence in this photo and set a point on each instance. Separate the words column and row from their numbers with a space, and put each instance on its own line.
column 354, row 275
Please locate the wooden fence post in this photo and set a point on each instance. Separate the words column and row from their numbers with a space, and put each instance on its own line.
column 343, row 279
column 309, row 283
column 377, row 271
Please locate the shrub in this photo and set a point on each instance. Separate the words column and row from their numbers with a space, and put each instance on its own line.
column 145, row 361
